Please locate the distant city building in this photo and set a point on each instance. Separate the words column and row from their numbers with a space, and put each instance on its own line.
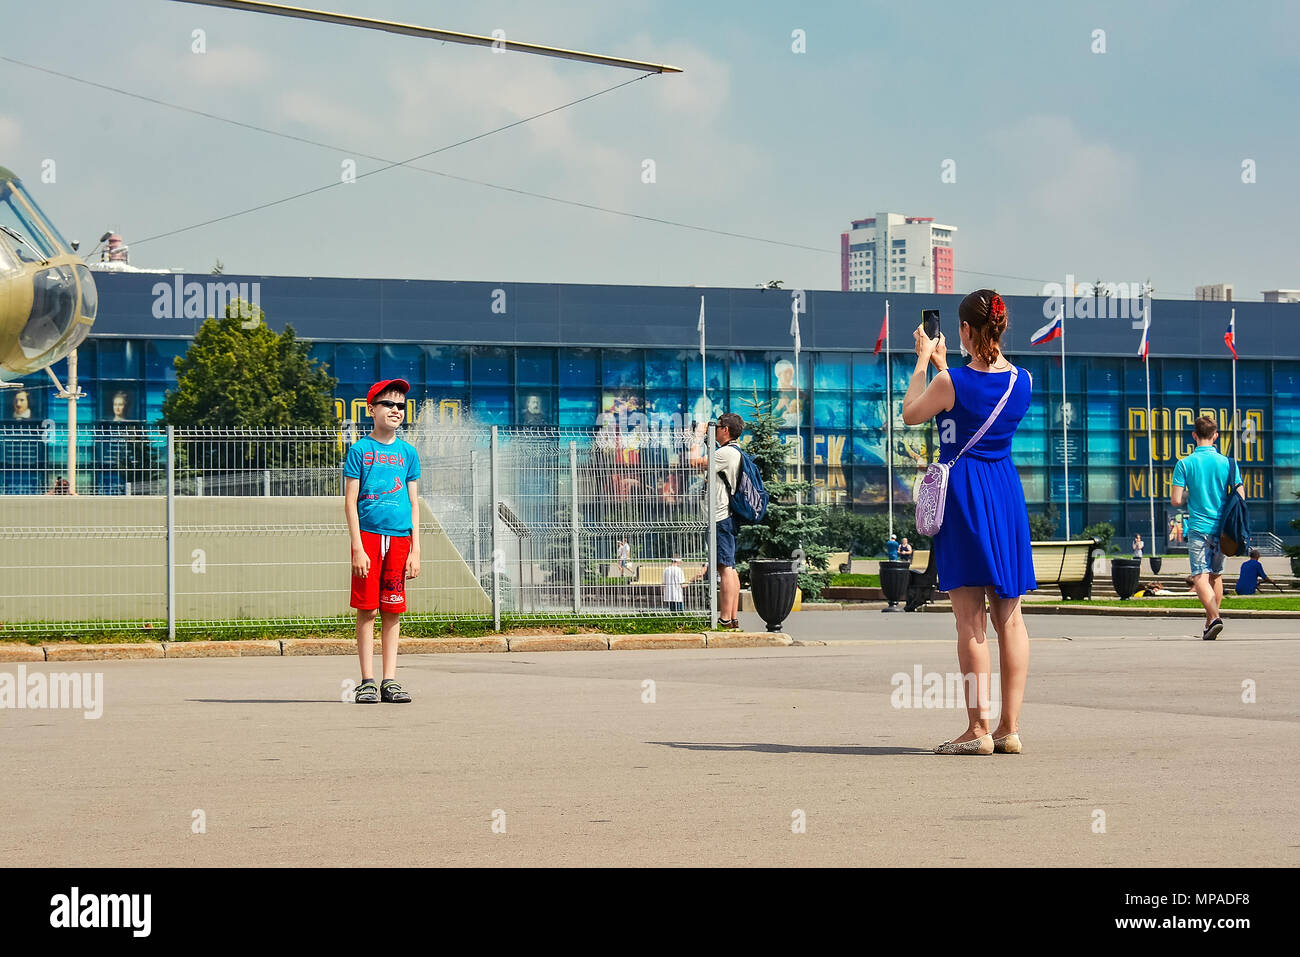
column 1219, row 292
column 1282, row 295
column 891, row 252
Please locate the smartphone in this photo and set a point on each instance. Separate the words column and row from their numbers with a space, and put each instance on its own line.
column 930, row 322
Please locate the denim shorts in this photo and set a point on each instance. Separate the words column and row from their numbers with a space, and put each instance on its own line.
column 1203, row 553
column 727, row 542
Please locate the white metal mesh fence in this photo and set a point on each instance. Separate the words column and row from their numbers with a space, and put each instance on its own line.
column 524, row 527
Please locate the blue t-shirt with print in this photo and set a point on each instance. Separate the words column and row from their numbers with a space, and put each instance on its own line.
column 383, row 504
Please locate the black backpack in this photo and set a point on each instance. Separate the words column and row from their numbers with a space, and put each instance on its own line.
column 1234, row 537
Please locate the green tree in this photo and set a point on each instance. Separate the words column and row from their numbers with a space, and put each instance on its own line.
column 1042, row 528
column 1103, row 532
column 239, row 375
column 791, row 527
column 234, row 377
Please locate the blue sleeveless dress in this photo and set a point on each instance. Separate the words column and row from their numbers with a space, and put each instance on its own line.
column 985, row 535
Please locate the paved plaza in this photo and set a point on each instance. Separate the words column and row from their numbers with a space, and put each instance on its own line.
column 1139, row 750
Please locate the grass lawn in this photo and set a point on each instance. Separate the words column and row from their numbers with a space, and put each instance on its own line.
column 136, row 632
column 845, row 580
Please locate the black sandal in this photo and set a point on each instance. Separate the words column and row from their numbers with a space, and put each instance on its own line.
column 367, row 692
column 392, row 692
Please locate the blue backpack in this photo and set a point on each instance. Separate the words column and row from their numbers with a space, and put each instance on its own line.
column 1234, row 537
column 749, row 498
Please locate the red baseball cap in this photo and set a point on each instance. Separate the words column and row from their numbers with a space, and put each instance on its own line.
column 379, row 388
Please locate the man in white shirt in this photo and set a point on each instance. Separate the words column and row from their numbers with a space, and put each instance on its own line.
column 674, row 579
column 726, row 462
column 624, row 558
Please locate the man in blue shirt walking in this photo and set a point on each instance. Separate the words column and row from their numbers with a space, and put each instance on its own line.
column 1201, row 483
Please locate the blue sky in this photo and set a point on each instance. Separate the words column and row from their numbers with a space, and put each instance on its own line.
column 1123, row 165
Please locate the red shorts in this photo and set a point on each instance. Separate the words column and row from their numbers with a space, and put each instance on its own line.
column 385, row 587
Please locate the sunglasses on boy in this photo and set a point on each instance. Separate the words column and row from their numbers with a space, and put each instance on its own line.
column 388, row 404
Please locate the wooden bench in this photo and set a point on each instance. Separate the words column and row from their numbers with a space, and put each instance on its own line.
column 652, row 572
column 920, row 559
column 839, row 562
column 1067, row 564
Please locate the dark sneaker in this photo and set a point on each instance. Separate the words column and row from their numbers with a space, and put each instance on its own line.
column 392, row 692
column 367, row 692
column 1212, row 630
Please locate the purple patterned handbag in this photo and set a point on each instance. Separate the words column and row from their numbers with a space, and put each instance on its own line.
column 933, row 491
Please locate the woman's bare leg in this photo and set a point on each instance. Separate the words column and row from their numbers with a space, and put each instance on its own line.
column 973, row 658
column 1013, row 659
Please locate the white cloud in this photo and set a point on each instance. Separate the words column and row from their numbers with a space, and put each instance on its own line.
column 10, row 133
column 1064, row 172
column 222, row 68
column 346, row 126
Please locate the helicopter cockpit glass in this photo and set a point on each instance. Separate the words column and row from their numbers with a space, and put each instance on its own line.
column 54, row 307
column 19, row 212
column 8, row 259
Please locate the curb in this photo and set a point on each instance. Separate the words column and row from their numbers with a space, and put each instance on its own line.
column 1139, row 611
column 591, row 642
column 655, row 642
column 253, row 648
column 11, row 652
column 427, row 646
column 751, row 639
column 324, row 646
column 150, row 649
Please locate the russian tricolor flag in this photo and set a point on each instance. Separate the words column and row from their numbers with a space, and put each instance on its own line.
column 1052, row 330
column 1145, row 346
column 1230, row 337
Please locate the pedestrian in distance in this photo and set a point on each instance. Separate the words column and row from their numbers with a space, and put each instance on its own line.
column 1200, row 482
column 726, row 462
column 982, row 549
column 1137, row 547
column 905, row 551
column 891, row 548
column 674, row 579
column 624, row 556
column 382, row 507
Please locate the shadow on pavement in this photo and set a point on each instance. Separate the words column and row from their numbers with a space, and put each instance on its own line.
column 266, row 700
column 788, row 748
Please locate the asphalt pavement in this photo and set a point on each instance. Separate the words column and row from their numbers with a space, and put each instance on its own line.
column 1143, row 746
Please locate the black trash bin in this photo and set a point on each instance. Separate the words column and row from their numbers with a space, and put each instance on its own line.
column 893, row 583
column 1124, row 575
column 1156, row 562
column 772, row 583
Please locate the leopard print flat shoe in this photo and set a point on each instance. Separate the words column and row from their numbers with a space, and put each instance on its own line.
column 980, row 745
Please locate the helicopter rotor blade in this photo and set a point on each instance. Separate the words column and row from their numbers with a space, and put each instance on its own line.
column 449, row 36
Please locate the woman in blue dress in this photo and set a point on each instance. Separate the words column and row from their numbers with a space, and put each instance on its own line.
column 982, row 550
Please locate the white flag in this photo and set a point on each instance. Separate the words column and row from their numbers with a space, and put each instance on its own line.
column 700, row 326
column 794, row 323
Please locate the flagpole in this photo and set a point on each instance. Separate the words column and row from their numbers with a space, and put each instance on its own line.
column 704, row 387
column 1065, row 434
column 1235, row 423
column 798, row 402
column 889, row 426
column 1151, row 447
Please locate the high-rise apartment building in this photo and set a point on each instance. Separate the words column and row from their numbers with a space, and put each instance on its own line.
column 891, row 252
column 1218, row 292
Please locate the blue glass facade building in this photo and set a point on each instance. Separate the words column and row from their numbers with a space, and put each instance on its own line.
column 550, row 354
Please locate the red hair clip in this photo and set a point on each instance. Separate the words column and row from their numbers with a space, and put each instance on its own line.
column 997, row 308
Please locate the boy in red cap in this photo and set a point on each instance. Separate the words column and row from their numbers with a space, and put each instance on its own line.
column 383, row 515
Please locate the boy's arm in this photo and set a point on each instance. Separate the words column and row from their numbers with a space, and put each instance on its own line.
column 413, row 557
column 360, row 560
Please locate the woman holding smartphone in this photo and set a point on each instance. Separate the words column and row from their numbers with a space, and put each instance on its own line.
column 982, row 550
